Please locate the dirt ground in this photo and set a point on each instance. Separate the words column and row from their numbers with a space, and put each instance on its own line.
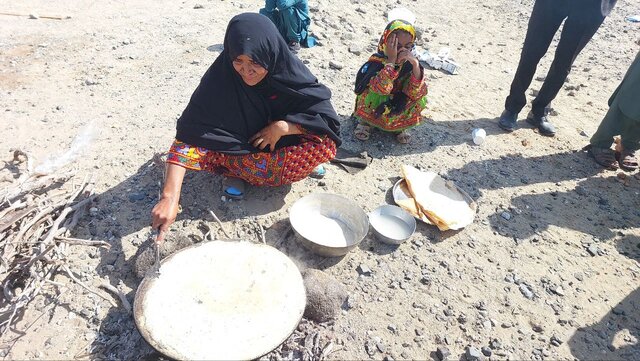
column 549, row 269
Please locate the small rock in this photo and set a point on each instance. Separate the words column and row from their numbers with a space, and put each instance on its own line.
column 585, row 134
column 541, row 78
column 195, row 62
column 335, row 65
column 579, row 276
column 537, row 328
column 555, row 341
column 495, row 344
column 618, row 311
column 370, row 347
column 392, row 328
column 364, row 270
column 472, row 354
column 534, row 93
column 134, row 197
column 593, row 250
column 558, row 291
column 325, row 296
column 90, row 81
column 356, row 50
column 380, row 346
column 198, row 6
column 93, row 211
column 442, row 353
column 526, row 291
column 486, row 351
column 506, row 215
column 571, row 94
column 34, row 16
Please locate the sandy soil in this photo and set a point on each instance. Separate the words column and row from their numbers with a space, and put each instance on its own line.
column 550, row 225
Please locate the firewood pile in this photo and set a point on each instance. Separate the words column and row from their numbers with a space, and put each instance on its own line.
column 38, row 213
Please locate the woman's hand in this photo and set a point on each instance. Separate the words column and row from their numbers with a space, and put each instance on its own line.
column 163, row 215
column 165, row 211
column 391, row 48
column 271, row 134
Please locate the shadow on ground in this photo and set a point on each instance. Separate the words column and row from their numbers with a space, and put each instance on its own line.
column 616, row 336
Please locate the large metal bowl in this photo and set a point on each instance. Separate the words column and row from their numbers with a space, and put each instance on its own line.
column 328, row 224
column 392, row 224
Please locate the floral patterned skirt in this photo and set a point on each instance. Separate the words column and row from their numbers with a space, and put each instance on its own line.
column 282, row 166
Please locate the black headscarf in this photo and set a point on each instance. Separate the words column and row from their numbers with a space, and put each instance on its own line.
column 224, row 112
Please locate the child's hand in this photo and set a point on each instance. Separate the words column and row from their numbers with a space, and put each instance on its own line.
column 391, row 48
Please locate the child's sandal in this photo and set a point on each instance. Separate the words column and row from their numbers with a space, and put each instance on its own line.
column 404, row 137
column 362, row 132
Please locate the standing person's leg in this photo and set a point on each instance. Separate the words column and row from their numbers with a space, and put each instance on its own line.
column 630, row 140
column 579, row 28
column 600, row 143
column 608, row 128
column 546, row 17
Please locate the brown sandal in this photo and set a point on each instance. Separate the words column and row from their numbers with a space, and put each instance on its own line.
column 604, row 156
column 628, row 160
column 362, row 132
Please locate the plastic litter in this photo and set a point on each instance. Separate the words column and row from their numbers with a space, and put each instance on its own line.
column 439, row 61
column 633, row 18
column 80, row 143
column 478, row 135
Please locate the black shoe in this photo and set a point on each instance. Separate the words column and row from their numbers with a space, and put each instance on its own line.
column 542, row 123
column 508, row 121
column 294, row 46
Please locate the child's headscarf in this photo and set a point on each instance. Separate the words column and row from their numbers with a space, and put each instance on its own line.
column 376, row 61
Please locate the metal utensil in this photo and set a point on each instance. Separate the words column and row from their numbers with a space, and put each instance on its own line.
column 155, row 270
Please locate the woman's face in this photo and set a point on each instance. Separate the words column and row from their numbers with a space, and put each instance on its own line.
column 251, row 72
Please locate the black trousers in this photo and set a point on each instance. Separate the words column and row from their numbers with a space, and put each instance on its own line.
column 583, row 18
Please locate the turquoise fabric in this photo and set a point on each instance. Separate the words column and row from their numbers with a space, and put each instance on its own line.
column 292, row 20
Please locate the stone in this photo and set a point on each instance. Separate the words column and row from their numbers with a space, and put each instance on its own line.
column 135, row 196
column 618, row 311
column 593, row 250
column 325, row 296
column 506, row 215
column 473, row 354
column 442, row 353
column 198, row 6
column 486, row 351
column 34, row 16
column 335, row 65
column 90, row 81
column 558, row 291
column 526, row 291
column 364, row 270
column 495, row 344
column 555, row 341
column 370, row 347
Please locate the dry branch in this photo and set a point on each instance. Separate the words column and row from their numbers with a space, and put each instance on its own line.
column 38, row 212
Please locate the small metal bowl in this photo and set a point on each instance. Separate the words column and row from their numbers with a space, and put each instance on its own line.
column 391, row 224
column 328, row 224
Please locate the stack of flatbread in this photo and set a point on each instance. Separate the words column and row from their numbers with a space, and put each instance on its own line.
column 435, row 200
